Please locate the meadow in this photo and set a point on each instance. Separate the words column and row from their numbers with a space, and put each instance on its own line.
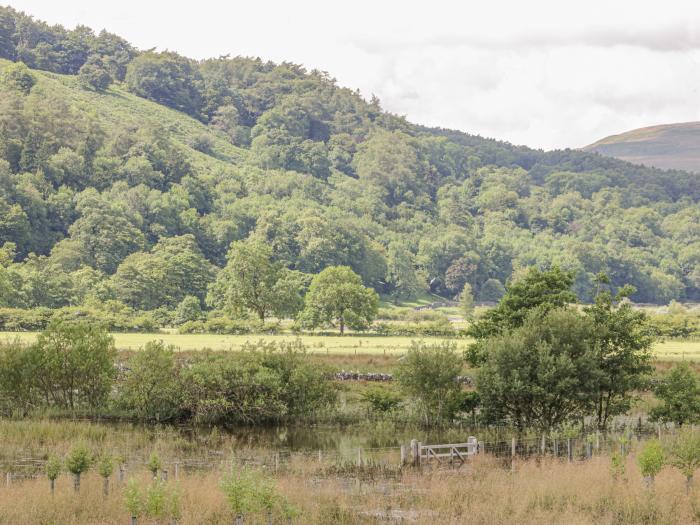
column 352, row 344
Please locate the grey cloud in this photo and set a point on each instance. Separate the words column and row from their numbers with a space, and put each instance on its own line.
column 671, row 38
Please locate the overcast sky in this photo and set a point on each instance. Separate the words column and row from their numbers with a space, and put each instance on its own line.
column 545, row 74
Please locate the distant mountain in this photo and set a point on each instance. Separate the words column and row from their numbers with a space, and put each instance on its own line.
column 668, row 146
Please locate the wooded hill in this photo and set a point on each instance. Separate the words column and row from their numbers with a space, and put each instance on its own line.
column 126, row 175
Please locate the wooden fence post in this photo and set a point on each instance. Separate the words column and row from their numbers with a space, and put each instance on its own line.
column 556, row 447
column 8, row 478
column 177, row 471
column 543, row 446
column 414, row 452
column 359, row 457
column 513, row 443
column 569, row 452
column 320, row 456
column 420, row 452
column 597, row 440
column 402, row 461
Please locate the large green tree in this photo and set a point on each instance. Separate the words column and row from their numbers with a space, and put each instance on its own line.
column 541, row 373
column 253, row 281
column 337, row 297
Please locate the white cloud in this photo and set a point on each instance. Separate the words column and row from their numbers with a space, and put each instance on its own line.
column 544, row 73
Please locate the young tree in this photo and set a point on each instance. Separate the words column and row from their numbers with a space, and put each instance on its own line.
column 251, row 280
column 238, row 487
column 537, row 375
column 622, row 342
column 428, row 374
column 53, row 469
column 337, row 296
column 105, row 469
column 651, row 460
column 679, row 393
column 684, row 454
column 79, row 461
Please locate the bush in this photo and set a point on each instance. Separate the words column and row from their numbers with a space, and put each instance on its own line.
column 381, row 400
column 17, row 76
column 93, row 74
column 428, row 373
column 151, row 389
column 264, row 383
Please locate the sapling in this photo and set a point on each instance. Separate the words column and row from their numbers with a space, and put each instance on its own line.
column 288, row 511
column 174, row 507
column 651, row 460
column 105, row 469
column 156, row 500
column 238, row 487
column 53, row 469
column 78, row 462
column 617, row 465
column 154, row 464
column 267, row 497
column 684, row 454
column 133, row 500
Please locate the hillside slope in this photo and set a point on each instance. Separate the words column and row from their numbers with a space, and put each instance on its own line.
column 669, row 146
column 125, row 176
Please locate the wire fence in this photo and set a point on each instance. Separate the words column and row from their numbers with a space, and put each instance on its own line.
column 564, row 446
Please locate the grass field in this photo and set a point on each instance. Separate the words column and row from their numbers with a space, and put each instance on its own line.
column 329, row 344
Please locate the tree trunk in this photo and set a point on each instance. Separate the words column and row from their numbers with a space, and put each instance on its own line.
column 342, row 324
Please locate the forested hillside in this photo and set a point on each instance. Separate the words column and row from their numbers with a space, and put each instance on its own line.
column 126, row 175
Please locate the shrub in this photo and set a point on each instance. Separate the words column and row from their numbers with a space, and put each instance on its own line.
column 74, row 364
column 264, row 383
column 428, row 373
column 17, row 76
column 381, row 400
column 93, row 74
column 151, row 389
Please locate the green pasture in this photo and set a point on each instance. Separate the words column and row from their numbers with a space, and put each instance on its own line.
column 329, row 344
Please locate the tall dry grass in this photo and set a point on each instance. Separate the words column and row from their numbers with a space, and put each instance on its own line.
column 484, row 493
